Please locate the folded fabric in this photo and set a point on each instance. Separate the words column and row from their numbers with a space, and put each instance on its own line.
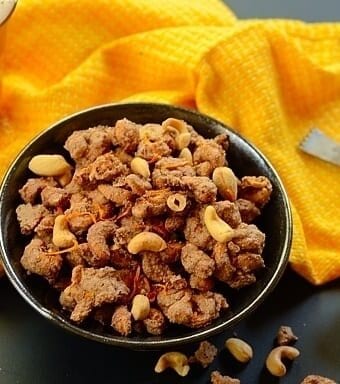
column 269, row 80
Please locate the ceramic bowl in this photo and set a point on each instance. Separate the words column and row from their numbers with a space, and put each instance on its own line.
column 243, row 158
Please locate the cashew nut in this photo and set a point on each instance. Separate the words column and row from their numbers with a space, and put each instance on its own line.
column 179, row 125
column 241, row 350
column 150, row 132
column 183, row 140
column 146, row 241
column 226, row 182
column 180, row 129
column 48, row 165
column 186, row 155
column 140, row 307
column 176, row 202
column 62, row 237
column 140, row 166
column 65, row 178
column 218, row 229
column 274, row 362
column 175, row 360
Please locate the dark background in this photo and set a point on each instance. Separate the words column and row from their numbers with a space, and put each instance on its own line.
column 34, row 351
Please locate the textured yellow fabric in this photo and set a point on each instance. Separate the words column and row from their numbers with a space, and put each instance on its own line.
column 270, row 80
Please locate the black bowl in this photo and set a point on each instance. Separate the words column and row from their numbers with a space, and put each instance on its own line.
column 243, row 158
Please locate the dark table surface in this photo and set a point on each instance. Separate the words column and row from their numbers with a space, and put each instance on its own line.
column 34, row 351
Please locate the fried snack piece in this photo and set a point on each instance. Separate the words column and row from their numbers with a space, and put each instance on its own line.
column 196, row 232
column 249, row 238
column 217, row 378
column 91, row 288
column 197, row 262
column 256, row 189
column 29, row 216
column 119, row 196
column 52, row 197
column 125, row 134
column 129, row 227
column 285, row 336
column 99, row 238
column 169, row 171
column 204, row 355
column 235, row 265
column 202, row 285
column 228, row 212
column 36, row 259
column 181, row 306
column 174, row 222
column 44, row 229
column 120, row 258
column 152, row 203
column 154, row 269
column 30, row 192
column 208, row 155
column 106, row 168
column 86, row 145
column 203, row 189
column 80, row 255
column 315, row 379
column 137, row 184
column 248, row 210
column 155, row 322
column 153, row 148
column 121, row 320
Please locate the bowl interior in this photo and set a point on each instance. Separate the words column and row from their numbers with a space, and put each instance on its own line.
column 244, row 159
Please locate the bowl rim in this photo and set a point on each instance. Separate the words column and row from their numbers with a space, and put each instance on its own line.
column 158, row 343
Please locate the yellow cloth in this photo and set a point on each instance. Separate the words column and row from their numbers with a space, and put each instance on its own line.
column 269, row 80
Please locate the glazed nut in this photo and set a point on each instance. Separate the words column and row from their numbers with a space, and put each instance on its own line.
column 140, row 307
column 150, row 132
column 140, row 166
column 176, row 202
column 146, row 241
column 186, row 155
column 65, row 178
column 274, row 362
column 173, row 125
column 241, row 350
column 62, row 237
column 48, row 165
column 180, row 130
column 226, row 182
column 218, row 229
column 183, row 140
column 175, row 360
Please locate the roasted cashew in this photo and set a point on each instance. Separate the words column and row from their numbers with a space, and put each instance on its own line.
column 241, row 350
column 151, row 132
column 62, row 236
column 140, row 166
column 65, row 178
column 146, row 241
column 274, row 362
column 175, row 360
column 176, row 202
column 179, row 127
column 140, row 307
column 183, row 140
column 218, row 229
column 186, row 155
column 226, row 182
column 48, row 165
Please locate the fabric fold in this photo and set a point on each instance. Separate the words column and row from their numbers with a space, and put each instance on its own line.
column 271, row 80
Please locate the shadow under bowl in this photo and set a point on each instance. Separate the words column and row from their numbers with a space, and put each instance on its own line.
column 243, row 158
